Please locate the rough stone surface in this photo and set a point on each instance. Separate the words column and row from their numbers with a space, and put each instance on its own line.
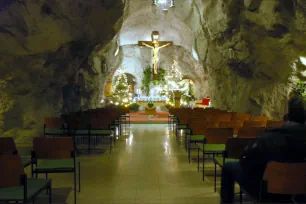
column 43, row 43
column 246, row 52
column 249, row 49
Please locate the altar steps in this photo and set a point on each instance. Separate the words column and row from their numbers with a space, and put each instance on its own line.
column 142, row 118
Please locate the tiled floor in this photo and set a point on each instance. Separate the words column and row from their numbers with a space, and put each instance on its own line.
column 148, row 166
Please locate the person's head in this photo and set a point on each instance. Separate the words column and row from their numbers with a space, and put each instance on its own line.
column 296, row 110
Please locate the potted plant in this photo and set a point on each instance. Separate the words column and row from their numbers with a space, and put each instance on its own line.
column 150, row 104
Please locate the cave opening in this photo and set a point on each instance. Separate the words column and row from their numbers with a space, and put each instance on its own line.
column 247, row 56
column 136, row 85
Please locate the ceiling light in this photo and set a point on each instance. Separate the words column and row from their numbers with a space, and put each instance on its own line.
column 163, row 4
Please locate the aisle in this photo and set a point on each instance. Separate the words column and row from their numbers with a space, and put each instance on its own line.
column 146, row 167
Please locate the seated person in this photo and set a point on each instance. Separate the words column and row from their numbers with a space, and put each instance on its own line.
column 282, row 144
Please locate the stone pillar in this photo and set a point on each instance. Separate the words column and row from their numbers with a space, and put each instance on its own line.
column 177, row 98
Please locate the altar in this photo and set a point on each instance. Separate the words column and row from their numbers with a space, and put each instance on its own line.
column 146, row 99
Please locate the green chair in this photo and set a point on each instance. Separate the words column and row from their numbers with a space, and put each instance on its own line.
column 8, row 146
column 55, row 155
column 54, row 127
column 214, row 142
column 181, row 122
column 101, row 127
column 14, row 184
column 196, row 134
column 233, row 150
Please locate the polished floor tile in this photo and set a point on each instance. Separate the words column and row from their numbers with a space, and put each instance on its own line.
column 147, row 166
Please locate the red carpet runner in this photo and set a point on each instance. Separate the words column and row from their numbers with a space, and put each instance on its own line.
column 142, row 118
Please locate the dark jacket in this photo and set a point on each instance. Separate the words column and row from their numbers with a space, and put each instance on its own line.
column 286, row 144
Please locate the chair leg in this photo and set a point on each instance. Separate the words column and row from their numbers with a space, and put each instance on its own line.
column 32, row 168
column 215, row 178
column 50, row 194
column 79, row 177
column 110, row 145
column 47, row 189
column 88, row 144
column 203, row 165
column 74, row 185
column 198, row 160
column 240, row 196
column 189, row 155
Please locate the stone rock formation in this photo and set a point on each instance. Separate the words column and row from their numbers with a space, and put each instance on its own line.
column 42, row 44
column 247, row 53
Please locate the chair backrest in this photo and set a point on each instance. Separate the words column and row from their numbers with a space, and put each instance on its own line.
column 184, row 116
column 224, row 117
column 274, row 124
column 235, row 124
column 7, row 145
column 53, row 122
column 250, row 132
column 257, row 123
column 241, row 116
column 198, row 113
column 235, row 146
column 53, row 148
column 11, row 169
column 259, row 118
column 218, row 135
column 199, row 127
column 285, row 178
column 101, row 122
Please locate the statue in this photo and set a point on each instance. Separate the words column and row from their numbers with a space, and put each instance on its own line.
column 155, row 45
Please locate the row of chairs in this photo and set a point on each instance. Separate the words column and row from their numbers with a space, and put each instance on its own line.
column 48, row 155
column 225, row 135
column 91, row 128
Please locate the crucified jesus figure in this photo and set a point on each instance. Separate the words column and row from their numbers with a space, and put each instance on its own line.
column 156, row 47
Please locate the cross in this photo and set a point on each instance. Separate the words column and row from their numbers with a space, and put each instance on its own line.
column 155, row 45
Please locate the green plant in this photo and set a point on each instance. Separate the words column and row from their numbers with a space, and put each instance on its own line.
column 146, row 80
column 150, row 104
column 134, row 107
column 300, row 88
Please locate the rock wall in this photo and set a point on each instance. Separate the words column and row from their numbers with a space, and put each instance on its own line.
column 43, row 43
column 248, row 52
column 251, row 52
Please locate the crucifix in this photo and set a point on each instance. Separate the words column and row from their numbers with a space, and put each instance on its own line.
column 155, row 45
